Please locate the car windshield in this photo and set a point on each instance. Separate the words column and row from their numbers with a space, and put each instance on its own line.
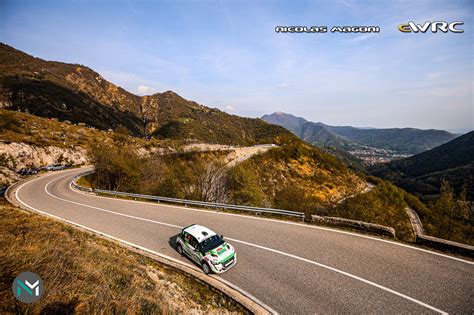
column 211, row 243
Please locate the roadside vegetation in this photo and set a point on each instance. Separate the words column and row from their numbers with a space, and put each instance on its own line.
column 263, row 180
column 298, row 176
column 84, row 273
column 190, row 175
column 442, row 179
column 450, row 216
column 294, row 177
column 384, row 205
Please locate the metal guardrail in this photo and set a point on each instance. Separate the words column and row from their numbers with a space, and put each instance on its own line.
column 79, row 187
column 186, row 202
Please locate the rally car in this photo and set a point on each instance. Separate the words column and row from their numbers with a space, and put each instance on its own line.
column 206, row 248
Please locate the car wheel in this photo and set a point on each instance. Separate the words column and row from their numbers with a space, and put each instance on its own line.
column 206, row 268
column 180, row 249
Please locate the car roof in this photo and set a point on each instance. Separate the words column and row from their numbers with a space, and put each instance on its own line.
column 199, row 232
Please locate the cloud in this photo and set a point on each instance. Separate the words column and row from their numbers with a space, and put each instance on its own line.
column 133, row 82
column 143, row 89
column 229, row 108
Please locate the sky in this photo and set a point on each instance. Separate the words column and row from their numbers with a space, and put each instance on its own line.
column 226, row 54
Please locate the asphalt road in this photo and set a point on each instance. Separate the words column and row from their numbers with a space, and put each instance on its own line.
column 294, row 268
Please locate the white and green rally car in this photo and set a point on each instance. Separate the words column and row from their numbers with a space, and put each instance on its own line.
column 206, row 248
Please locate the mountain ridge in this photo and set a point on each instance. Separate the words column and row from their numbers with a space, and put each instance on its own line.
column 422, row 173
column 79, row 94
column 400, row 140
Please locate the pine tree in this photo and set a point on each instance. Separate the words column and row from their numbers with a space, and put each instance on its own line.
column 446, row 207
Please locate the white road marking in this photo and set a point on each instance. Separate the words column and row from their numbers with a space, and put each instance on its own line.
column 285, row 222
column 235, row 240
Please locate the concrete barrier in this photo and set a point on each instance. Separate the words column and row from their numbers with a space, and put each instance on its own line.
column 435, row 242
column 415, row 221
column 354, row 224
column 445, row 245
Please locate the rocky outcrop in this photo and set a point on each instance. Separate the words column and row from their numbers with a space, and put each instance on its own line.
column 18, row 155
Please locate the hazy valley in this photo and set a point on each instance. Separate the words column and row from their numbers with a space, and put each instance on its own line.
column 370, row 145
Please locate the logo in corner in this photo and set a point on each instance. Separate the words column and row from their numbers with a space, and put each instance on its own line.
column 434, row 27
column 27, row 287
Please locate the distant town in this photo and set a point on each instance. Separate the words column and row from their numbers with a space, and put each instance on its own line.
column 372, row 155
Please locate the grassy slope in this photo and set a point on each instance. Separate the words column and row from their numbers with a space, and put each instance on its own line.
column 87, row 274
column 385, row 204
column 30, row 129
column 257, row 181
column 312, row 171
column 302, row 178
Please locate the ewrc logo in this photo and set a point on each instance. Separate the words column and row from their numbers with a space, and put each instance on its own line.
column 433, row 26
column 27, row 287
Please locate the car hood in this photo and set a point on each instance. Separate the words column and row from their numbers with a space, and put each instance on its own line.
column 223, row 252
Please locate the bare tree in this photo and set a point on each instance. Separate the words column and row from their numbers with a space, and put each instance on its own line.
column 211, row 184
column 152, row 172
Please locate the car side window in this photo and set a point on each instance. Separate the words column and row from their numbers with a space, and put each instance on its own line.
column 197, row 245
column 186, row 237
column 193, row 242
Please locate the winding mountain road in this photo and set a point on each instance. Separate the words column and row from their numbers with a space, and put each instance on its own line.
column 294, row 268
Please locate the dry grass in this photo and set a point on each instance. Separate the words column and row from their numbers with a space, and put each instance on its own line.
column 84, row 181
column 30, row 129
column 87, row 274
column 320, row 176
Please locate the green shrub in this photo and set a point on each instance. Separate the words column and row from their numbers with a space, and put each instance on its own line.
column 383, row 205
column 116, row 168
column 243, row 187
column 293, row 198
column 9, row 122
